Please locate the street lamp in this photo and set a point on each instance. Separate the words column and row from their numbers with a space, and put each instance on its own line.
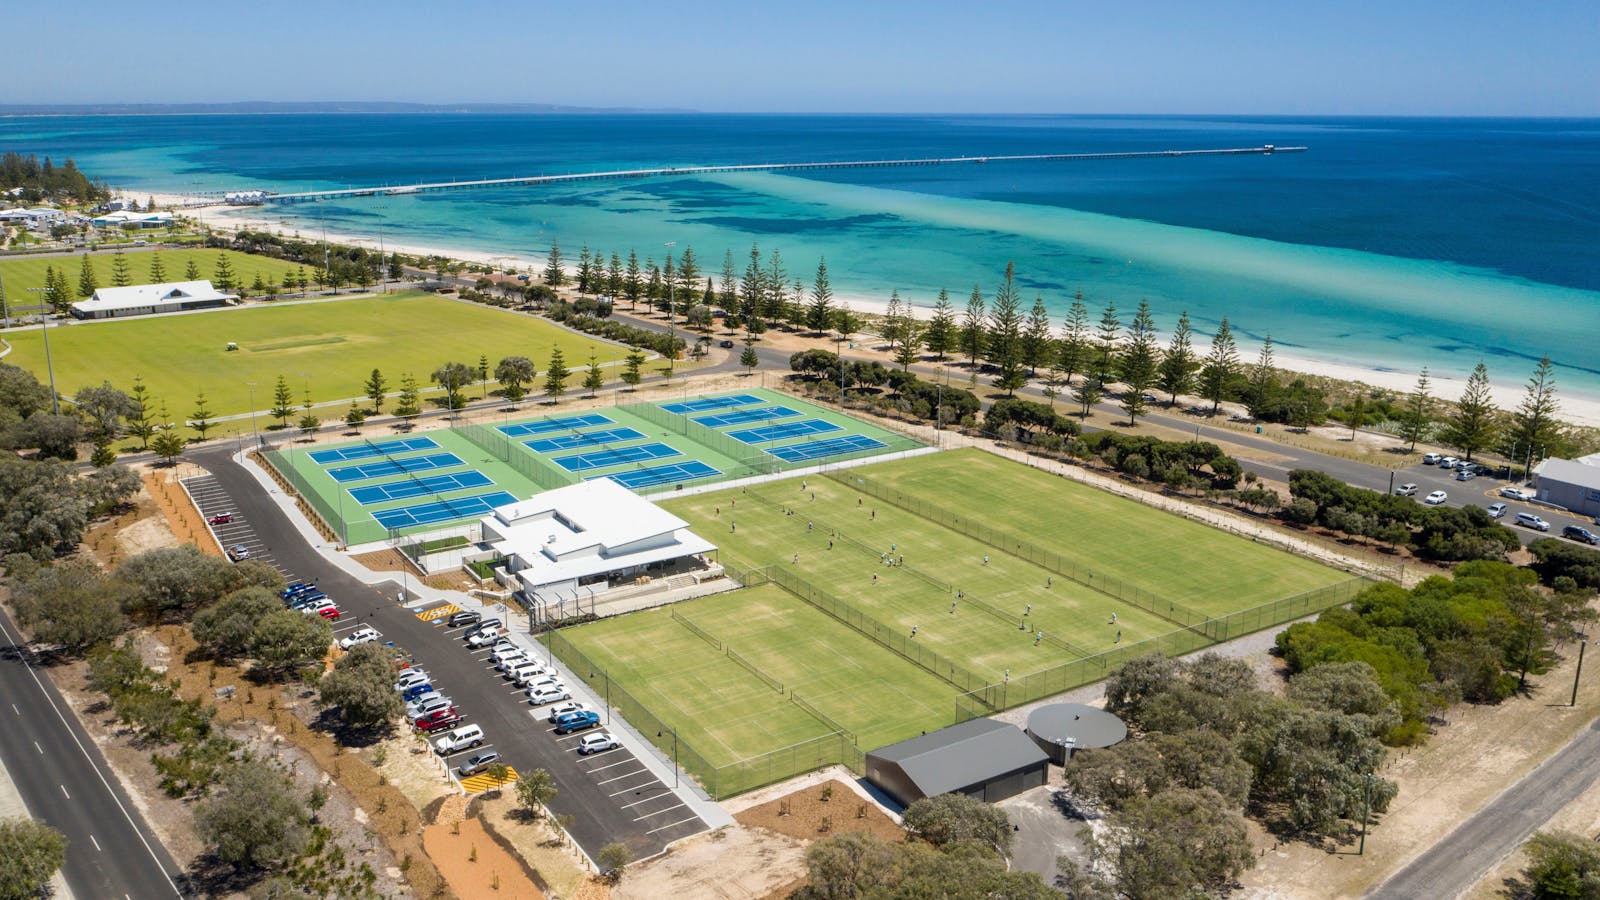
column 44, row 326
column 674, row 755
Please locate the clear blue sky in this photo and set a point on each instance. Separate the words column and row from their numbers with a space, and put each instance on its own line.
column 1467, row 57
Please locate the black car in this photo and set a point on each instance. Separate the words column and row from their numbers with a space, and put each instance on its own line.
column 1579, row 533
column 463, row 618
column 726, row 345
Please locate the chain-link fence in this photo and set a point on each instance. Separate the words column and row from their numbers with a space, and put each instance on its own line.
column 508, row 450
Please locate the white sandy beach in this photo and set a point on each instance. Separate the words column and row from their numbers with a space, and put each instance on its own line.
column 1580, row 410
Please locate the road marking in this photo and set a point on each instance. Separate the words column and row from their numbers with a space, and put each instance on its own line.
column 90, row 759
column 15, row 710
column 637, row 771
column 38, row 748
column 64, row 791
column 676, row 823
column 665, row 809
column 477, row 784
column 438, row 612
column 95, row 842
column 645, row 800
column 620, row 762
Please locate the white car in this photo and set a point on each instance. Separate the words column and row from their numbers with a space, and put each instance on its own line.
column 1497, row 510
column 419, row 708
column 549, row 693
column 1431, row 459
column 1449, row 462
column 410, row 678
column 1436, row 498
column 564, row 708
column 1406, row 490
column 316, row 606
column 485, row 638
column 363, row 635
column 1516, row 493
column 525, row 672
column 464, row 738
column 506, row 660
column 597, row 743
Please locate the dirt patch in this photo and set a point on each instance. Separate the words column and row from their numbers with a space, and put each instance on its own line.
column 559, row 868
column 471, row 860
column 733, row 863
column 138, row 527
column 391, row 560
column 185, row 522
column 805, row 815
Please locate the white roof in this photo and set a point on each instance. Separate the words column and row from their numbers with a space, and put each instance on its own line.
column 170, row 293
column 1578, row 472
column 131, row 216
column 587, row 529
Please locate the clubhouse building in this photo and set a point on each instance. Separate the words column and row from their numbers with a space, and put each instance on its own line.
column 586, row 538
column 146, row 299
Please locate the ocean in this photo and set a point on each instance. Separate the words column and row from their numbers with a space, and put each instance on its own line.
column 1392, row 244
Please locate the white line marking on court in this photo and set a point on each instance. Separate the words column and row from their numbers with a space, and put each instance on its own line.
column 620, row 777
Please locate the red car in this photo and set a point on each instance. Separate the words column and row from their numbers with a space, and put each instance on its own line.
column 223, row 519
column 330, row 613
column 444, row 718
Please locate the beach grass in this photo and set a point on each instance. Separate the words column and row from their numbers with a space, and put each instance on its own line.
column 329, row 347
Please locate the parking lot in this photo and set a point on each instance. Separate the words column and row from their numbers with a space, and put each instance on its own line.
column 610, row 796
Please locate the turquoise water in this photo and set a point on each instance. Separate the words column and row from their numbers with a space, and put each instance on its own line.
column 1391, row 245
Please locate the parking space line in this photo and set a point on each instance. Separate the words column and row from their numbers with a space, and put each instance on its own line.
column 665, row 793
column 674, row 824
column 620, row 762
column 637, row 771
column 660, row 811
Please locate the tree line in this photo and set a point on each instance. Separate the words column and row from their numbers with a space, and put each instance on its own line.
column 42, row 180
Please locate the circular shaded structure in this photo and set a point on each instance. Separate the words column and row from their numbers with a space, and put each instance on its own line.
column 1061, row 727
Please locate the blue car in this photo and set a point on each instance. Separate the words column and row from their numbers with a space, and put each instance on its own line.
column 300, row 601
column 415, row 691
column 299, row 587
column 577, row 721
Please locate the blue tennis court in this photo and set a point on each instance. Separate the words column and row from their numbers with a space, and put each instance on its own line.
column 746, row 416
column 418, row 487
column 601, row 459
column 389, row 467
column 545, row 426
column 654, row 475
column 585, row 439
column 786, row 430
column 826, row 447
column 369, row 450
column 442, row 510
column 706, row 404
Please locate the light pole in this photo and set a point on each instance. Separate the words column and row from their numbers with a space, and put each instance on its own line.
column 672, row 321
column 674, row 755
column 44, row 326
column 5, row 311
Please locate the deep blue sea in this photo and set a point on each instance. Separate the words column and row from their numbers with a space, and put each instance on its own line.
column 1392, row 244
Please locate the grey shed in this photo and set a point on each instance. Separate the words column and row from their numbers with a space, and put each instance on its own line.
column 984, row 758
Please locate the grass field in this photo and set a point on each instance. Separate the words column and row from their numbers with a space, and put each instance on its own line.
column 28, row 272
column 329, row 346
column 857, row 683
column 1205, row 569
column 755, row 534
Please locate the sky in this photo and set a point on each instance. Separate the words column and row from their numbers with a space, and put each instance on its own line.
column 1344, row 57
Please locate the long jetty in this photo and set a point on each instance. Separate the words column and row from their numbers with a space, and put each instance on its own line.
column 261, row 197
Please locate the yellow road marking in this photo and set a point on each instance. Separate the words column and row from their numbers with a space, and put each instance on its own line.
column 438, row 612
column 483, row 781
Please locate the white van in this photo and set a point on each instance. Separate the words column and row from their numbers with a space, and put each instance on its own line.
column 463, row 738
column 1529, row 520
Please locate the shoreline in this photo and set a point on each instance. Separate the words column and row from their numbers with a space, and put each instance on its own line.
column 1576, row 409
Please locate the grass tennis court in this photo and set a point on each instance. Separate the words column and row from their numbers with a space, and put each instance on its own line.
column 329, row 347
column 1075, row 619
column 1207, row 569
column 867, row 689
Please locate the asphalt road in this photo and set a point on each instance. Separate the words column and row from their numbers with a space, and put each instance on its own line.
column 66, row 783
column 634, row 811
column 1453, row 864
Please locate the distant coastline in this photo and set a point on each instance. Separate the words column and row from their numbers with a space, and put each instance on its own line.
column 353, row 107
